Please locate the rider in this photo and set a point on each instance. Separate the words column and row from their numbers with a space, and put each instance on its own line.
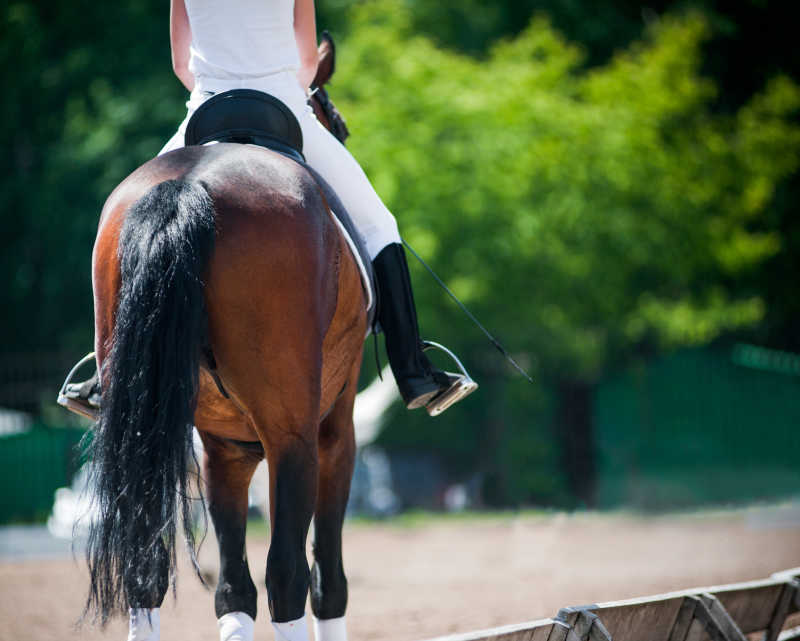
column 271, row 46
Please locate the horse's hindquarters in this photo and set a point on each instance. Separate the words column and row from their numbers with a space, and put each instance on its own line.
column 284, row 297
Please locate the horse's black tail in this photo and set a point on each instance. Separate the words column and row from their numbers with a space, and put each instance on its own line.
column 141, row 448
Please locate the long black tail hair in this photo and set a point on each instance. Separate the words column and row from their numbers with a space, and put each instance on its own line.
column 141, row 448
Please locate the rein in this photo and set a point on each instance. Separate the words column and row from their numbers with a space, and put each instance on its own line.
column 469, row 314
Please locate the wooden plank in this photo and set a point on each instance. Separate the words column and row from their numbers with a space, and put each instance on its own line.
column 539, row 630
column 751, row 606
column 786, row 602
column 652, row 620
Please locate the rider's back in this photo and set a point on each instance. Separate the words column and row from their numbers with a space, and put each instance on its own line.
column 240, row 39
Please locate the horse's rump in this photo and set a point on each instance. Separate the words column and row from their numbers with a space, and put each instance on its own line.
column 277, row 255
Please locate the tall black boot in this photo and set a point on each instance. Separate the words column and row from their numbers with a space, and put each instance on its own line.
column 417, row 379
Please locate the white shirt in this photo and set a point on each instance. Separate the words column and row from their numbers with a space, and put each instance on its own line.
column 241, row 39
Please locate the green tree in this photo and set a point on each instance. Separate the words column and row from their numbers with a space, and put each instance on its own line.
column 586, row 214
column 88, row 96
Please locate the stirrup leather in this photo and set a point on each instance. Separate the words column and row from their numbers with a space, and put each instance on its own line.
column 462, row 384
column 71, row 404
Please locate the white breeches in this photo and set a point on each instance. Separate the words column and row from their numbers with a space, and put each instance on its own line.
column 322, row 150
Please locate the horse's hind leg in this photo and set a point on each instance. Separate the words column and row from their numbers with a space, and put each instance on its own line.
column 337, row 450
column 293, row 479
column 228, row 468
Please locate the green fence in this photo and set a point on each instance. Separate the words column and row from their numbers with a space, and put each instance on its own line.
column 715, row 425
column 32, row 465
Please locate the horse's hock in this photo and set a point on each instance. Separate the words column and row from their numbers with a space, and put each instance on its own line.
column 766, row 610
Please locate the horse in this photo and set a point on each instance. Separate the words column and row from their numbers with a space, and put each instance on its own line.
column 226, row 298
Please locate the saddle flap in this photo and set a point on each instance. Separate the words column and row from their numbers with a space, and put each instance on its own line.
column 247, row 116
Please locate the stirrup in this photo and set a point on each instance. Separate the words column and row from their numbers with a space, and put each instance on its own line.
column 462, row 384
column 70, row 403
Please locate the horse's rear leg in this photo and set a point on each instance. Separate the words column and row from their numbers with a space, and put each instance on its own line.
column 293, row 486
column 337, row 450
column 228, row 468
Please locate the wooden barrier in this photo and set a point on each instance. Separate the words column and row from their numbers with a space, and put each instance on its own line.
column 541, row 630
column 735, row 612
column 717, row 613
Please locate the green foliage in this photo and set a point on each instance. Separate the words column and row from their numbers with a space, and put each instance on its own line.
column 88, row 96
column 580, row 212
column 583, row 214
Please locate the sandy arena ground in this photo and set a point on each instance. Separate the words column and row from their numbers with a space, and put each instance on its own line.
column 413, row 579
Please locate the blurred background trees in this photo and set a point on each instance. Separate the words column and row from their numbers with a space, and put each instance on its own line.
column 603, row 183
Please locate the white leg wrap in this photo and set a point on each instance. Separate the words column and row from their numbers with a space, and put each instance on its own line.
column 235, row 626
column 330, row 629
column 142, row 627
column 296, row 630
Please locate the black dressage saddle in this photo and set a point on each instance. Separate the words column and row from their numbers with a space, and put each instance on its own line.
column 246, row 116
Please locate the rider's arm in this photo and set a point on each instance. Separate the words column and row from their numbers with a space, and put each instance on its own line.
column 305, row 33
column 180, row 37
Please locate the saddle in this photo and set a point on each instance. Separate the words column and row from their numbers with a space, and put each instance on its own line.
column 246, row 116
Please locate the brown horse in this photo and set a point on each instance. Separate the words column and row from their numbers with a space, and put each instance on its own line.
column 223, row 259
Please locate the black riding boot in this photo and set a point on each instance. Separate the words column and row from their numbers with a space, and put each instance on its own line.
column 418, row 380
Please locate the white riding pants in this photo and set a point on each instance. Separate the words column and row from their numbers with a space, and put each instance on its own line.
column 322, row 150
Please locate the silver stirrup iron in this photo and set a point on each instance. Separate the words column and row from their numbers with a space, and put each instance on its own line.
column 69, row 403
column 461, row 387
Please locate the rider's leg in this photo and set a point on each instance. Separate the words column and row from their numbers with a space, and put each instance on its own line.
column 337, row 166
column 417, row 379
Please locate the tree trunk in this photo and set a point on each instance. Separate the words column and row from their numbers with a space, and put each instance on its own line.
column 574, row 424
